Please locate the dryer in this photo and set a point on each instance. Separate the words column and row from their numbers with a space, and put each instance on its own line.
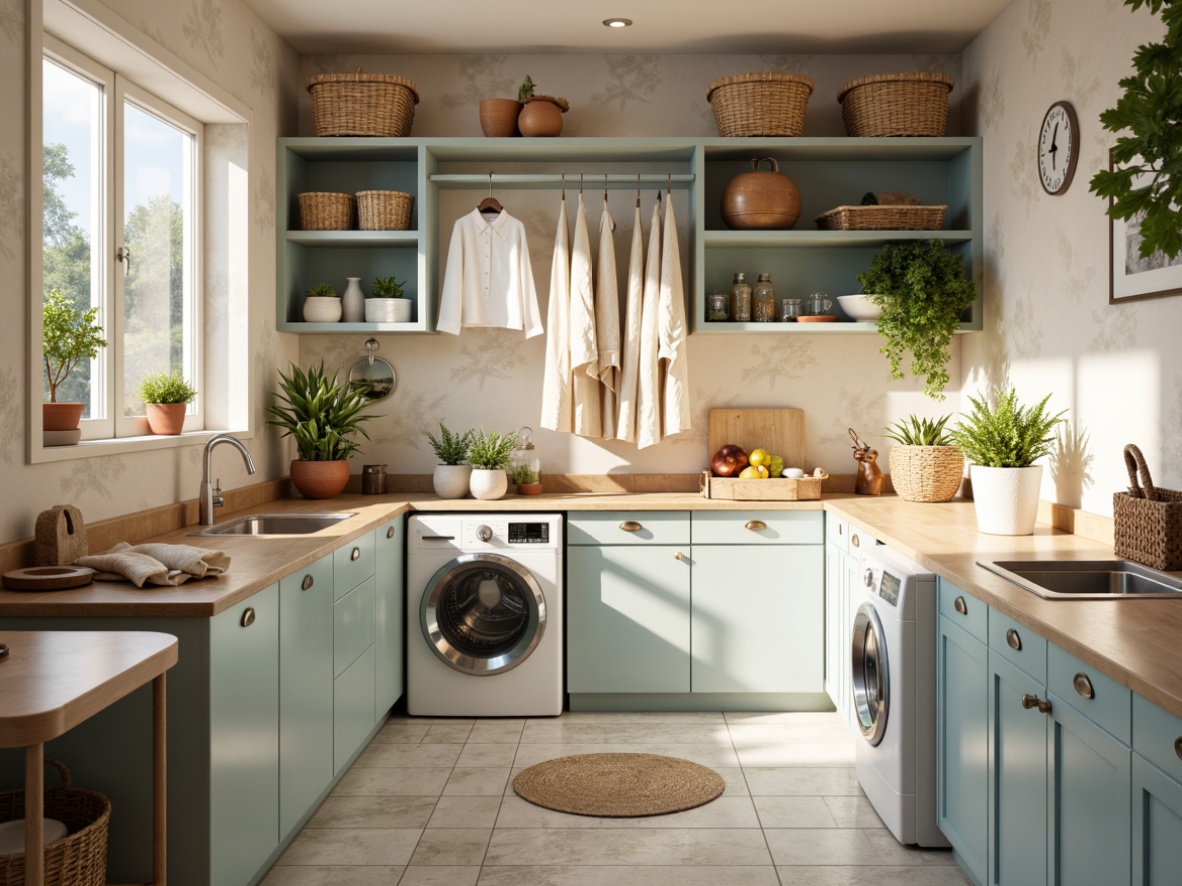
column 484, row 615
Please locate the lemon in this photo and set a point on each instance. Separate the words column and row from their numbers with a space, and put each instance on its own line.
column 751, row 472
column 763, row 472
column 759, row 457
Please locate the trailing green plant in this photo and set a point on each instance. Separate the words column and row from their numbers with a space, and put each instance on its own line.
column 1010, row 436
column 916, row 431
column 524, row 475
column 164, row 387
column 387, row 287
column 69, row 336
column 322, row 290
column 450, row 448
column 527, row 89
column 490, row 451
column 923, row 291
column 321, row 414
column 1145, row 180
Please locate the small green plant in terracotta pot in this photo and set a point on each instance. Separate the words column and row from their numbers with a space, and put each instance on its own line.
column 489, row 453
column 69, row 336
column 452, row 475
column 541, row 115
column 166, row 397
column 389, row 303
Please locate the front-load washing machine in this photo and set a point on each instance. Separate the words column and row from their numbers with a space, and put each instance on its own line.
column 484, row 615
column 894, row 687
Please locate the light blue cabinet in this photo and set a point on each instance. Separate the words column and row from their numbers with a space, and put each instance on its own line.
column 389, row 614
column 1157, row 825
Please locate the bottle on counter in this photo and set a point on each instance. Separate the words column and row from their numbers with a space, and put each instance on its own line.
column 763, row 300
column 740, row 298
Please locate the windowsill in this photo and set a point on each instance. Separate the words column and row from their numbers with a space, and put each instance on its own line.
column 122, row 445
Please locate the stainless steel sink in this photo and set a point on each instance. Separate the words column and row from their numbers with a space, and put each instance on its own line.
column 1087, row 579
column 275, row 524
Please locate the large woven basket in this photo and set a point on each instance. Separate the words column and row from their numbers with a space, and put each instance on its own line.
column 882, row 218
column 1148, row 521
column 79, row 859
column 760, row 104
column 327, row 211
column 381, row 105
column 895, row 105
column 384, row 210
column 926, row 473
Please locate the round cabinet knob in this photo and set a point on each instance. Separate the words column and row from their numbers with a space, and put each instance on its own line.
column 484, row 533
column 1178, row 746
column 755, row 525
column 960, row 606
column 3, row 652
column 1029, row 701
column 248, row 617
column 356, row 555
column 630, row 526
column 307, row 583
column 679, row 556
column 390, row 532
column 1084, row 686
column 1013, row 640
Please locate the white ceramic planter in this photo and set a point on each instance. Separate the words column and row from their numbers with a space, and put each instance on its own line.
column 387, row 310
column 322, row 310
column 488, row 485
column 451, row 481
column 1006, row 499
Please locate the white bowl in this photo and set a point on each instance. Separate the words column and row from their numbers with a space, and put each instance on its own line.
column 859, row 308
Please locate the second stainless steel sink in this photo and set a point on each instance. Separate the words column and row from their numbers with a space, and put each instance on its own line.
column 1087, row 579
column 275, row 524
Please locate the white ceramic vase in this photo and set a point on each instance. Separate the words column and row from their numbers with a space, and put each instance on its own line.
column 353, row 301
column 1006, row 499
column 387, row 310
column 322, row 310
column 488, row 485
column 451, row 481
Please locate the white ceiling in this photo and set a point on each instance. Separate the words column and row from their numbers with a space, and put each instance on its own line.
column 660, row 26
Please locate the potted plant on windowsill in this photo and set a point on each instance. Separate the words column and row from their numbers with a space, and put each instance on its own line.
column 166, row 397
column 452, row 476
column 323, row 416
column 69, row 336
column 1002, row 444
column 925, row 464
column 389, row 303
column 489, row 454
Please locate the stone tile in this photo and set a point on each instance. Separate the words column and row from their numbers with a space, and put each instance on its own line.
column 440, row 875
column 853, row 812
column 792, row 780
column 795, row 812
column 448, row 734
column 658, row 718
column 707, row 755
column 475, row 756
column 343, row 811
column 425, row 782
column 402, row 733
column 483, row 782
column 883, row 840
column 465, row 812
column 506, row 731
column 744, row 735
column 723, row 812
column 796, row 753
column 845, row 875
column 432, row 721
column 609, row 875
column 411, row 756
column 452, row 846
column 623, row 846
column 817, row 719
column 837, row 846
column 352, row 846
column 626, row 732
column 342, row 875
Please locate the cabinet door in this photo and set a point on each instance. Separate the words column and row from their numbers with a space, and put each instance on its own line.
column 1157, row 825
column 962, row 746
column 389, row 613
column 628, row 617
column 352, row 715
column 244, row 737
column 1017, row 778
column 1088, row 793
column 305, row 690
column 758, row 618
column 835, row 641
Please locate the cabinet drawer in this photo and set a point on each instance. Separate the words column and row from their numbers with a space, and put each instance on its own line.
column 837, row 532
column 1018, row 645
column 352, row 626
column 629, row 528
column 353, row 564
column 1157, row 736
column 964, row 610
column 1110, row 706
column 758, row 527
column 859, row 539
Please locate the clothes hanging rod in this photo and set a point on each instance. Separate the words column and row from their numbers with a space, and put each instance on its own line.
column 590, row 180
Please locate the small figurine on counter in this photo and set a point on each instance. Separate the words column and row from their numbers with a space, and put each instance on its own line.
column 869, row 480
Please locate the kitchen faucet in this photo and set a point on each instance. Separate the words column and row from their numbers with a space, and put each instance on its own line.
column 211, row 494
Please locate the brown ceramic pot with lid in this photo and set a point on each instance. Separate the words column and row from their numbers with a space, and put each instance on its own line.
column 761, row 200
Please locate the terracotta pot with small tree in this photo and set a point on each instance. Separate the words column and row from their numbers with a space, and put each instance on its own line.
column 541, row 115
column 69, row 336
column 166, row 397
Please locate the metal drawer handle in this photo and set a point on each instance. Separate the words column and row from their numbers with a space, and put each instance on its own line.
column 3, row 652
column 248, row 617
column 855, row 541
column 960, row 606
column 1033, row 701
column 679, row 556
column 307, row 582
column 1178, row 746
column 631, row 526
column 356, row 555
column 840, row 529
column 1013, row 640
column 755, row 525
column 390, row 532
column 1084, row 686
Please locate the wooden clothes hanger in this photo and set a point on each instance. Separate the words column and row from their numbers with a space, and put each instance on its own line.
column 490, row 203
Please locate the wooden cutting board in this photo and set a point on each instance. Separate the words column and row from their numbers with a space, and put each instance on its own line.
column 779, row 431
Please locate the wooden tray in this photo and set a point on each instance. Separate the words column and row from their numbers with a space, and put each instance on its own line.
column 782, row 489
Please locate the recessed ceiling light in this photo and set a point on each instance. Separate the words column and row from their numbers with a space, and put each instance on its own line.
column 617, row 22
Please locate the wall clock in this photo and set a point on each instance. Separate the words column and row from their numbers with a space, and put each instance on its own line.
column 1058, row 148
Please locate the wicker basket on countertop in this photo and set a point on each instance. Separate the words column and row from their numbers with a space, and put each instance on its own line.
column 895, row 105
column 884, row 217
column 926, row 473
column 384, row 210
column 1147, row 519
column 380, row 105
column 327, row 211
column 767, row 104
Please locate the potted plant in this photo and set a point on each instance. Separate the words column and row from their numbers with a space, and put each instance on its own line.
column 541, row 115
column 452, row 475
column 498, row 116
column 69, row 336
column 925, row 465
column 389, row 303
column 323, row 416
column 166, row 397
column 489, row 454
column 1002, row 444
column 922, row 291
column 322, row 304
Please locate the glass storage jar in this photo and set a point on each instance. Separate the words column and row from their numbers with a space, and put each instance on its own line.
column 790, row 309
column 524, row 464
column 763, row 300
column 740, row 298
column 718, row 306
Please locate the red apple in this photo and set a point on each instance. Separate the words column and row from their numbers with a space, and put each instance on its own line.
column 728, row 461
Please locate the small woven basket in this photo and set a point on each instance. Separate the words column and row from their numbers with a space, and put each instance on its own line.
column 326, row 211
column 760, row 104
column 895, row 105
column 1148, row 521
column 79, row 859
column 882, row 218
column 380, row 105
column 384, row 210
column 926, row 473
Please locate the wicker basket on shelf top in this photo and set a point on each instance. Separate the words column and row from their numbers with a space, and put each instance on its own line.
column 895, row 105
column 770, row 104
column 378, row 105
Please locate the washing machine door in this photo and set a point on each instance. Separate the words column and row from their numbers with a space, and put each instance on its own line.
column 482, row 614
column 871, row 674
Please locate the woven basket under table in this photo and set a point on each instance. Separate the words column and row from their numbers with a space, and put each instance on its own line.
column 1147, row 521
column 767, row 104
column 895, row 105
column 384, row 210
column 327, row 211
column 886, row 217
column 926, row 473
column 380, row 105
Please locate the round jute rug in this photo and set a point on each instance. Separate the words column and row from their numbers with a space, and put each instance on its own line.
column 618, row 785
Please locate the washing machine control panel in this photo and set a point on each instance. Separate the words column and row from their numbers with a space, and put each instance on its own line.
column 484, row 534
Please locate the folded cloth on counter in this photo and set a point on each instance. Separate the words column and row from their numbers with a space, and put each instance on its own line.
column 155, row 564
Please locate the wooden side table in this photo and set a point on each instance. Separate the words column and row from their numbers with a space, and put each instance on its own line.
column 50, row 681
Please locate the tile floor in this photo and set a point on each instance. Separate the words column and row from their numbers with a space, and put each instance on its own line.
column 430, row 803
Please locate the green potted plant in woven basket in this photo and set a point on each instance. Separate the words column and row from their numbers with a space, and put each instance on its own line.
column 453, row 474
column 389, row 303
column 925, row 464
column 489, row 454
column 166, row 397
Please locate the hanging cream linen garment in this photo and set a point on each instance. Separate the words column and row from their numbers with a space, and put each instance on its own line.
column 556, row 394
column 607, row 321
column 675, row 416
column 584, row 352
column 630, row 354
column 648, row 392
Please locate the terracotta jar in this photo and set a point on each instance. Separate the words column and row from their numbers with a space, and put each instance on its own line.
column 542, row 116
column 761, row 200
column 319, row 479
column 498, row 117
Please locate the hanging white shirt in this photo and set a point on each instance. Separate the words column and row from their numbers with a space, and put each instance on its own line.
column 648, row 389
column 672, row 332
column 584, row 351
column 488, row 280
column 556, row 396
column 607, row 321
column 630, row 354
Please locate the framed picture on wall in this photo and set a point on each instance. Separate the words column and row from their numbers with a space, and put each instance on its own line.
column 1133, row 276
